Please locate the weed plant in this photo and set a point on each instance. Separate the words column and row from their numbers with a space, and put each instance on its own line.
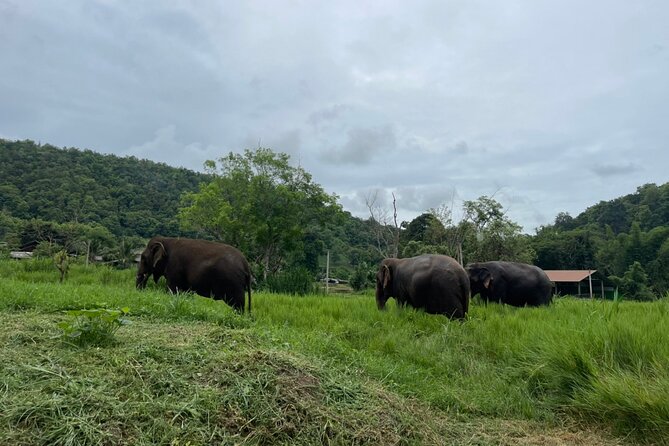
column 93, row 327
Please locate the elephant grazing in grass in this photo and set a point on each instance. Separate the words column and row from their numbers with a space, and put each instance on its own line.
column 210, row 269
column 512, row 283
column 436, row 283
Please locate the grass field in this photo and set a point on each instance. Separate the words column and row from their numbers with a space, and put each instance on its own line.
column 323, row 370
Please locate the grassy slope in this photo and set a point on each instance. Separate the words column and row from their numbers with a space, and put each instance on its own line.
column 317, row 370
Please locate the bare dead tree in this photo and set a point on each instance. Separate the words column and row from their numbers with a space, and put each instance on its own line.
column 455, row 231
column 386, row 229
column 396, row 229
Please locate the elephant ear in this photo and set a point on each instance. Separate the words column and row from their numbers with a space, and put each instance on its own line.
column 486, row 277
column 386, row 276
column 159, row 253
column 486, row 282
column 159, row 259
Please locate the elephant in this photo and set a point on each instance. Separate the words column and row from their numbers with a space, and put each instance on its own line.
column 208, row 268
column 512, row 283
column 436, row 283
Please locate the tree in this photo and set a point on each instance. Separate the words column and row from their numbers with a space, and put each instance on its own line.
column 259, row 203
column 123, row 253
column 610, row 252
column 658, row 269
column 634, row 283
column 497, row 237
column 564, row 221
column 634, row 251
column 386, row 229
column 424, row 234
column 454, row 235
column 95, row 239
column 9, row 229
column 426, row 228
column 363, row 277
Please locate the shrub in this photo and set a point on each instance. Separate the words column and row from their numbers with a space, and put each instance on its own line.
column 62, row 264
column 93, row 327
column 363, row 277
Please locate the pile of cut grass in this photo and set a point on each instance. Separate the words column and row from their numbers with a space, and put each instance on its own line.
column 186, row 383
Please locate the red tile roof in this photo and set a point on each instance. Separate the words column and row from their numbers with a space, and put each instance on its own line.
column 568, row 275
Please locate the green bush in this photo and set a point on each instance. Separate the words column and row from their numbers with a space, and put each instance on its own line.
column 363, row 277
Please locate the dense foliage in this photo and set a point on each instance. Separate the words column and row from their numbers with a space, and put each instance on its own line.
column 103, row 205
column 127, row 196
column 625, row 237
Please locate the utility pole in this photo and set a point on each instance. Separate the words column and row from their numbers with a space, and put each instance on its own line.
column 327, row 273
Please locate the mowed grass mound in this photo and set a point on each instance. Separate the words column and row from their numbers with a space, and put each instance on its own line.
column 319, row 370
column 187, row 383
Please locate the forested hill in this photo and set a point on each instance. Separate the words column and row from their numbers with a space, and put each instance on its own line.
column 648, row 206
column 128, row 196
column 626, row 240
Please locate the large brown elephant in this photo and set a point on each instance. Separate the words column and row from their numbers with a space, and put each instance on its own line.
column 512, row 283
column 436, row 283
column 210, row 269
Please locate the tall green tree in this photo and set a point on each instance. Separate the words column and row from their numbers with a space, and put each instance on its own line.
column 259, row 203
column 496, row 236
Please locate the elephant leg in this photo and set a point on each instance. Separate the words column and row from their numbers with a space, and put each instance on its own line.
column 231, row 295
column 237, row 298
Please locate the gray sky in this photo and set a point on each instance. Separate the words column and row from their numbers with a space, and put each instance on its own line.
column 549, row 105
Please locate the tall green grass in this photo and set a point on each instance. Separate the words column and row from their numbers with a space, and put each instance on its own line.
column 502, row 361
column 43, row 270
column 598, row 362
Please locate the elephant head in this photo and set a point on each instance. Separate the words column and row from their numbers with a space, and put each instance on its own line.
column 480, row 279
column 153, row 260
column 384, row 281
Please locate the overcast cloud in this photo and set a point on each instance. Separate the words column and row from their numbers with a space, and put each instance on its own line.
column 551, row 106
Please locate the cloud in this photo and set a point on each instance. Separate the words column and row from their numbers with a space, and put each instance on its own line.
column 166, row 148
column 362, row 145
column 613, row 170
column 326, row 116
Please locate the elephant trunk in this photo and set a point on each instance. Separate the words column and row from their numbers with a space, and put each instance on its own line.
column 140, row 283
column 380, row 299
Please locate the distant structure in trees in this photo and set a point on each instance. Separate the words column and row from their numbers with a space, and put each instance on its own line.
column 573, row 281
column 19, row 255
